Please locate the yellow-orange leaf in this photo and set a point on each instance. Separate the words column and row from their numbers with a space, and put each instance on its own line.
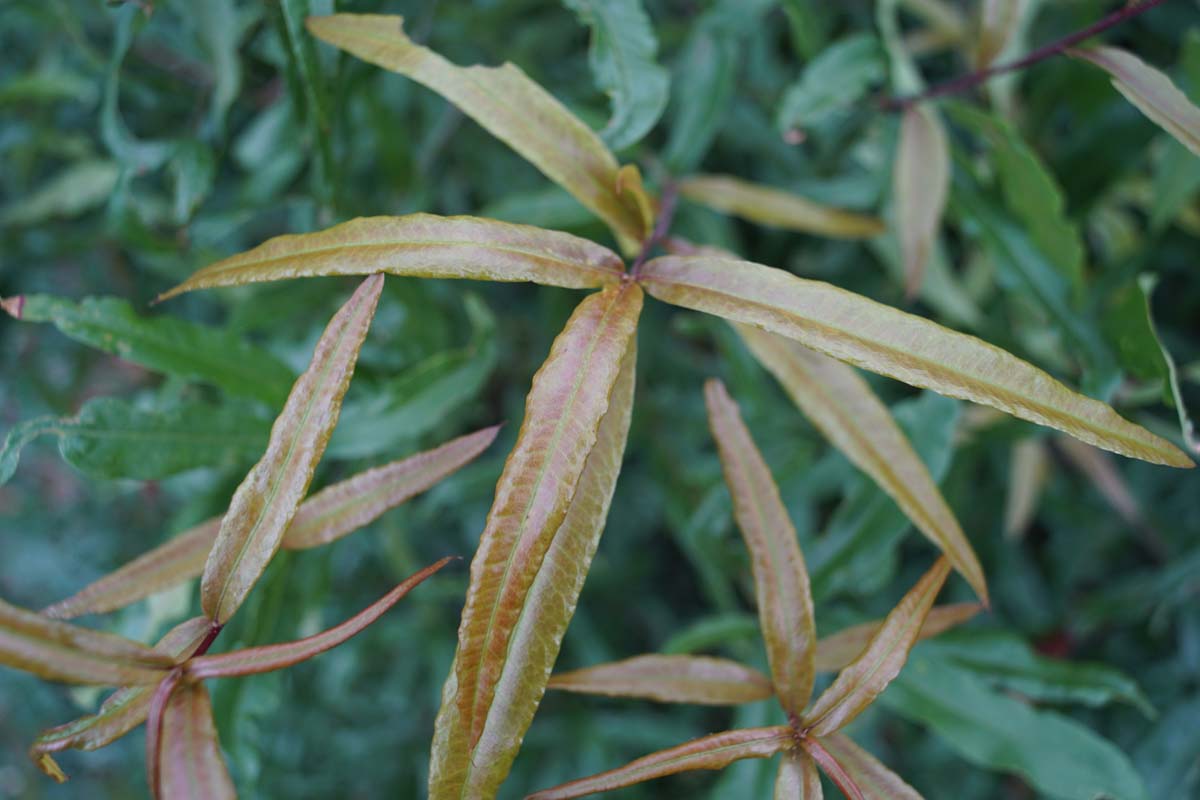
column 190, row 763
column 503, row 99
column 912, row 349
column 777, row 208
column 780, row 577
column 535, row 550
column 873, row 779
column 264, row 504
column 921, row 185
column 712, row 752
column 421, row 246
column 842, row 406
column 798, row 778
column 857, row 686
column 670, row 679
column 839, row 649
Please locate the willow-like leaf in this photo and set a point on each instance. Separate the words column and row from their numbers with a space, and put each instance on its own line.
column 874, row 780
column 503, row 99
column 328, row 515
column 857, row 686
column 780, row 577
column 997, row 23
column 712, row 752
column 545, row 523
column 190, row 763
column 670, row 679
column 420, row 246
column 921, row 186
column 798, row 778
column 264, row 504
column 1027, row 472
column 777, row 208
column 1151, row 91
column 59, row 651
column 873, row 336
column 255, row 660
column 842, row 406
column 839, row 649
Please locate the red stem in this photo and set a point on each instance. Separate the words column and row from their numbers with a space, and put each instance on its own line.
column 662, row 227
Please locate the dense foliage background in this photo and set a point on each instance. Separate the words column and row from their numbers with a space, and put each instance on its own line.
column 139, row 147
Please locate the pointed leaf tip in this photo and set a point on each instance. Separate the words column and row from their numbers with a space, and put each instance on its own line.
column 13, row 305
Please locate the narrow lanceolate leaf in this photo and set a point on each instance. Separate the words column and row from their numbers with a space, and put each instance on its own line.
column 921, row 184
column 507, row 103
column 777, row 208
column 421, row 246
column 1151, row 91
column 264, row 504
column 857, row 686
column 798, row 778
column 121, row 712
column 780, row 577
column 839, row 649
column 670, row 679
column 255, row 660
column 712, row 752
column 874, row 780
column 190, row 763
column 873, row 336
column 997, row 24
column 59, row 651
column 330, row 514
column 842, row 406
column 545, row 523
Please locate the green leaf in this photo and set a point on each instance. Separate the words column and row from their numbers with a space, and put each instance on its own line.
column 79, row 188
column 832, row 83
column 165, row 344
column 622, row 57
column 669, row 679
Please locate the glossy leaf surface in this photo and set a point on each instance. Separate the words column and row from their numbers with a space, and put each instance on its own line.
column 700, row 680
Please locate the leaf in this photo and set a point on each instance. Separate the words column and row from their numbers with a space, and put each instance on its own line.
column 121, row 712
column 768, row 206
column 857, row 686
column 59, row 651
column 1150, row 90
column 832, row 83
column 534, row 553
column 798, row 778
column 670, row 679
column 264, row 504
column 508, row 104
column 712, row 752
column 77, row 189
column 874, row 780
column 921, row 185
column 165, row 344
column 190, row 763
column 114, row 438
column 1027, row 474
column 873, row 336
column 997, row 24
column 840, row 649
column 622, row 58
column 256, row 660
column 422, row 246
column 842, row 406
column 780, row 578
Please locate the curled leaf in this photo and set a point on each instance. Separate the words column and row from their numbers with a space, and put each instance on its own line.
column 264, row 504
column 921, row 186
column 670, row 679
column 712, row 752
column 839, row 649
column 798, row 778
column 873, row 336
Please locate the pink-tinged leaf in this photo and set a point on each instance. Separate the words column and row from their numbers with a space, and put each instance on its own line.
column 857, row 686
column 1151, row 91
column 509, row 105
column 874, row 780
column 544, row 526
column 780, row 577
column 712, row 752
column 841, row 648
column 921, row 185
column 777, row 208
column 330, row 514
column 121, row 712
column 159, row 701
column 903, row 346
column 59, row 651
column 190, row 762
column 265, row 503
column 842, row 406
column 670, row 679
column 420, row 246
column 832, row 767
column 13, row 306
column 1027, row 473
column 1098, row 467
column 255, row 660
column 798, row 778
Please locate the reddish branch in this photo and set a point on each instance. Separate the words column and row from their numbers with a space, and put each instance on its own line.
column 662, row 227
